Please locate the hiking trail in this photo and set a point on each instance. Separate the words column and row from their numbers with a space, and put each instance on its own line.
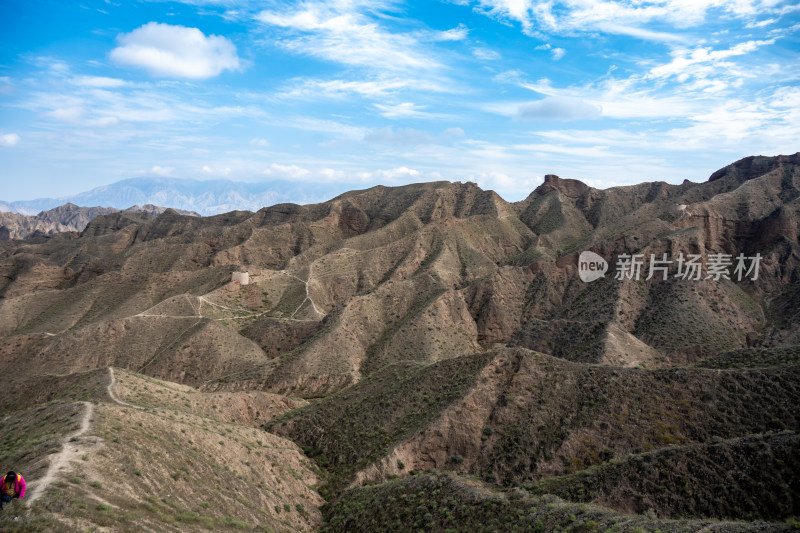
column 70, row 450
column 113, row 395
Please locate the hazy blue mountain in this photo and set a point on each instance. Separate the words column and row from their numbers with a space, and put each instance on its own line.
column 205, row 197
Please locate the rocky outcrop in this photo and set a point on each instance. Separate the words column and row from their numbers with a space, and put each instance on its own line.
column 568, row 187
column 754, row 166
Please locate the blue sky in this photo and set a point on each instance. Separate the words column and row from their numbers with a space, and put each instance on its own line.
column 359, row 92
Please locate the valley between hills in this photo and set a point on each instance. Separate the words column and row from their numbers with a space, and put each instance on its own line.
column 415, row 358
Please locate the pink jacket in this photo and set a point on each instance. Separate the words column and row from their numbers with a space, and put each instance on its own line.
column 19, row 485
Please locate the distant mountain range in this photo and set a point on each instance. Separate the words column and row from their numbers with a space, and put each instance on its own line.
column 205, row 197
column 67, row 217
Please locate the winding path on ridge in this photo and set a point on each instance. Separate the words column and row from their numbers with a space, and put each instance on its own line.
column 70, row 450
column 60, row 460
column 113, row 395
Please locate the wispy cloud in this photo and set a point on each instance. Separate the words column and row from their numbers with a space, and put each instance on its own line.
column 101, row 82
column 459, row 33
column 340, row 32
column 287, row 171
column 558, row 108
column 405, row 110
column 557, row 53
column 486, row 54
column 399, row 137
column 259, row 143
column 624, row 17
column 339, row 129
column 704, row 61
column 378, row 87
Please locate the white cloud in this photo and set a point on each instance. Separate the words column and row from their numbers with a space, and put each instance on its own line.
column 459, row 33
column 558, row 108
column 224, row 171
column 509, row 185
column 485, row 54
column 402, row 110
column 768, row 124
column 557, row 53
column 370, row 88
column 99, row 81
column 453, row 133
column 622, row 17
column 67, row 114
column 6, row 85
column 339, row 129
column 640, row 33
column 259, row 143
column 175, row 51
column 400, row 137
column 593, row 152
column 516, row 10
column 9, row 139
column 103, row 122
column 703, row 61
column 330, row 174
column 338, row 31
column 161, row 171
column 398, row 173
column 402, row 174
column 286, row 171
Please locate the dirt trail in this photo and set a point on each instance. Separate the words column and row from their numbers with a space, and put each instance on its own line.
column 69, row 451
column 308, row 295
column 113, row 395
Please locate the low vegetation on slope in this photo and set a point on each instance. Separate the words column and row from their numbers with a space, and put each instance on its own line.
column 29, row 436
column 753, row 358
column 548, row 417
column 348, row 430
column 443, row 503
column 557, row 417
column 747, row 478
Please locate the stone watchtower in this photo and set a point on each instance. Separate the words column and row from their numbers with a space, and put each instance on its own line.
column 242, row 277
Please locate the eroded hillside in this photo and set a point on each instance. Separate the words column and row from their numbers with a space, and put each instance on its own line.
column 434, row 327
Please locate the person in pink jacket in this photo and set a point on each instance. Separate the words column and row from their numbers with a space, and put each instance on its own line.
column 11, row 486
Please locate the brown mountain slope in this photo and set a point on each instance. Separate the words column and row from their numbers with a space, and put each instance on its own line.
column 515, row 416
column 411, row 312
column 95, row 457
column 430, row 271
